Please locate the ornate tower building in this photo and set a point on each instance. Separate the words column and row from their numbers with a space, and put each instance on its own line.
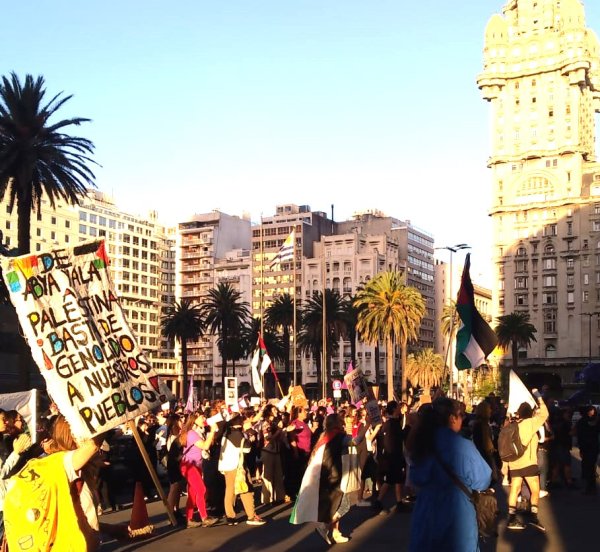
column 541, row 76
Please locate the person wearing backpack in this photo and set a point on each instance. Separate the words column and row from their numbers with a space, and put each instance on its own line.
column 526, row 465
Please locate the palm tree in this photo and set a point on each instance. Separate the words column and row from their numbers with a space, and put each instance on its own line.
column 225, row 314
column 182, row 323
column 450, row 323
column 425, row 369
column 515, row 331
column 390, row 310
column 280, row 314
column 311, row 333
column 351, row 319
column 36, row 157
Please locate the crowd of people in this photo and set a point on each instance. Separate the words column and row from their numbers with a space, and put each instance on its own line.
column 276, row 452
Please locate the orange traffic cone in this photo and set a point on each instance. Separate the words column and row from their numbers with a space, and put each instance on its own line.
column 140, row 523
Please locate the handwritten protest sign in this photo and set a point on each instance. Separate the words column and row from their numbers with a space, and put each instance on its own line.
column 357, row 386
column 71, row 317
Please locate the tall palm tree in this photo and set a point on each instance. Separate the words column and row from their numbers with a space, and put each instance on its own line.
column 280, row 314
column 183, row 322
column 390, row 311
column 225, row 314
column 450, row 324
column 425, row 369
column 36, row 157
column 350, row 313
column 311, row 333
column 514, row 331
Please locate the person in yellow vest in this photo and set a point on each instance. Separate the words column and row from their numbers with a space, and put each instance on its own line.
column 49, row 504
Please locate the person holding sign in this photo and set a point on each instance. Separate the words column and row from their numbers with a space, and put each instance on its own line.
column 196, row 441
column 50, row 503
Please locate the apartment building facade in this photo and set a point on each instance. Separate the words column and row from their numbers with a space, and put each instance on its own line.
column 201, row 244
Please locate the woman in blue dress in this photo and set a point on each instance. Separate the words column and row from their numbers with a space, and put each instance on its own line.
column 444, row 517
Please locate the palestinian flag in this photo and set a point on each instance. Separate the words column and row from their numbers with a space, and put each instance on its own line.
column 475, row 339
column 320, row 495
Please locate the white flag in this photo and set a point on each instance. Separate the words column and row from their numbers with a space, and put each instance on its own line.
column 518, row 394
column 266, row 362
column 256, row 382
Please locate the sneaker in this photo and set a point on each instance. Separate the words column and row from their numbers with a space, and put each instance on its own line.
column 535, row 522
column 543, row 493
column 338, row 538
column 514, row 523
column 364, row 503
column 209, row 522
column 190, row 524
column 232, row 521
column 256, row 521
column 322, row 530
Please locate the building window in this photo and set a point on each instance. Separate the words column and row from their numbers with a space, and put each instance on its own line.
column 520, row 300
column 570, row 297
column 549, row 281
column 549, row 298
column 550, row 351
column 570, row 262
column 586, row 279
column 549, row 321
column 521, row 282
column 549, row 264
column 585, row 296
column 521, row 252
column 82, row 229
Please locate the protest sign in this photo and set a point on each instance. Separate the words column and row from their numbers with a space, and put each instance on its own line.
column 373, row 411
column 71, row 317
column 298, row 397
column 231, row 393
column 357, row 386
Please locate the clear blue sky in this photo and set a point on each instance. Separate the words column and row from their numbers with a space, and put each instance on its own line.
column 243, row 105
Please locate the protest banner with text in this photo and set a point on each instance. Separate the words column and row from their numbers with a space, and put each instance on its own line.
column 79, row 337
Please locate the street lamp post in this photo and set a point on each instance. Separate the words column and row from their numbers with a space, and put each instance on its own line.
column 590, row 315
column 452, row 249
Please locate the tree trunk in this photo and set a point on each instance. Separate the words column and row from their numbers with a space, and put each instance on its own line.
column 377, row 363
column 515, row 355
column 404, row 390
column 24, row 222
column 184, row 368
column 389, row 350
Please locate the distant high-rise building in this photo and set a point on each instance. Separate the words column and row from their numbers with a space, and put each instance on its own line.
column 202, row 242
column 541, row 76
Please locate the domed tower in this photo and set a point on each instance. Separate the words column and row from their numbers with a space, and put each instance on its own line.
column 541, row 75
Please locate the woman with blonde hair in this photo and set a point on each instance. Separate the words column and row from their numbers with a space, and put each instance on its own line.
column 50, row 503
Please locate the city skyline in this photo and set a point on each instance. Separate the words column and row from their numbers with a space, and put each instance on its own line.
column 239, row 109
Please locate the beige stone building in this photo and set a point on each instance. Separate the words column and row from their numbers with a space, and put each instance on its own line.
column 541, row 76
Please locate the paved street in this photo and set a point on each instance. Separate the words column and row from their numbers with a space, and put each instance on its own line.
column 572, row 521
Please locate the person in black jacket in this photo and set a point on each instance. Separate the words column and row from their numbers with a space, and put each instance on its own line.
column 588, row 429
column 391, row 462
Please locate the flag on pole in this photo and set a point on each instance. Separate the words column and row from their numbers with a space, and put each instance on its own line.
column 256, row 381
column 350, row 368
column 475, row 340
column 266, row 359
column 189, row 405
column 286, row 252
column 518, row 394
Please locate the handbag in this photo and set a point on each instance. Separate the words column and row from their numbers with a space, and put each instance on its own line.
column 485, row 503
column 241, row 483
column 350, row 471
